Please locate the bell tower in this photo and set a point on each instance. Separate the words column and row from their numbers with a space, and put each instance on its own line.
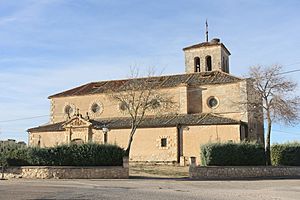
column 207, row 56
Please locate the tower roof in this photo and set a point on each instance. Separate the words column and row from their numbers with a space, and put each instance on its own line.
column 213, row 42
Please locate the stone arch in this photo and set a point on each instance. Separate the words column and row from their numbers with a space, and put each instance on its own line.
column 197, row 64
column 208, row 63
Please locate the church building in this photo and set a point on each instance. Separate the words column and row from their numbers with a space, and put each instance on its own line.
column 213, row 106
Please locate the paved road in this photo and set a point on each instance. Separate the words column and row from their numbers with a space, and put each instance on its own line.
column 157, row 189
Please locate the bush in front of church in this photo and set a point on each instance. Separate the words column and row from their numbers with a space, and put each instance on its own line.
column 232, row 154
column 90, row 154
column 286, row 154
column 13, row 153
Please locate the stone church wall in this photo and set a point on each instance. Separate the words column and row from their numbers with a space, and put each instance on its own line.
column 255, row 114
column 146, row 145
column 195, row 136
column 187, row 100
column 109, row 108
column 48, row 139
column 229, row 98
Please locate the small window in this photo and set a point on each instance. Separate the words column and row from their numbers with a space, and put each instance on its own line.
column 163, row 142
column 212, row 102
column 105, row 138
column 197, row 64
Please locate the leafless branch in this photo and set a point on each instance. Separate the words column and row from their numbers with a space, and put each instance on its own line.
column 138, row 97
column 279, row 101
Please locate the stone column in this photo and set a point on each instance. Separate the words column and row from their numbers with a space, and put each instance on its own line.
column 125, row 162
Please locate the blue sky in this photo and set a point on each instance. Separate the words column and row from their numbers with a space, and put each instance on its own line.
column 47, row 46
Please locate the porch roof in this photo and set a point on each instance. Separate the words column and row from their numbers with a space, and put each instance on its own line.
column 149, row 122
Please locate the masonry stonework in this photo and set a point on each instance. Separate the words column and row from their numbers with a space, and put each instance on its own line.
column 66, row 172
column 217, row 51
column 241, row 172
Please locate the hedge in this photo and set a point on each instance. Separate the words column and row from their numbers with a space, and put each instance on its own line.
column 286, row 154
column 232, row 154
column 90, row 154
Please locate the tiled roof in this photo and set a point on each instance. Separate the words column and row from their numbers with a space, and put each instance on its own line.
column 48, row 128
column 206, row 44
column 149, row 122
column 193, row 79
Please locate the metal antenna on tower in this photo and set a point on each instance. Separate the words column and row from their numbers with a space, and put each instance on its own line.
column 206, row 33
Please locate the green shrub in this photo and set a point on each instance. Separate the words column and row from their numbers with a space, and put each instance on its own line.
column 90, row 154
column 17, row 157
column 12, row 153
column 286, row 154
column 232, row 154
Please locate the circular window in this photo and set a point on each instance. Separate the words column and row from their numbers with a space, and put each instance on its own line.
column 95, row 108
column 123, row 106
column 68, row 110
column 155, row 103
column 212, row 102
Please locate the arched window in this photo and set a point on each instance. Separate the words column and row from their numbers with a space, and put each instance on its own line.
column 197, row 64
column 223, row 65
column 208, row 63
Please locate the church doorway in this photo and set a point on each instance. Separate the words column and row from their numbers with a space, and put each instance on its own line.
column 77, row 141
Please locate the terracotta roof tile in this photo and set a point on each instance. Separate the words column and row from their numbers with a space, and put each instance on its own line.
column 149, row 122
column 202, row 78
column 48, row 128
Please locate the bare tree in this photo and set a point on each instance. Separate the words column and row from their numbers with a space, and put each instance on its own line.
column 140, row 96
column 280, row 103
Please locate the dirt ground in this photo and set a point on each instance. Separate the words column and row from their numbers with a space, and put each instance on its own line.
column 158, row 171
